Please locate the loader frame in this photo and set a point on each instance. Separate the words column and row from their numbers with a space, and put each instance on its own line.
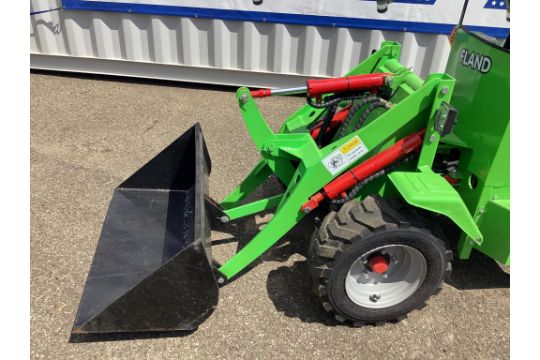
column 296, row 160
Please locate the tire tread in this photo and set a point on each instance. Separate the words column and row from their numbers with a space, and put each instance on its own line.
column 358, row 220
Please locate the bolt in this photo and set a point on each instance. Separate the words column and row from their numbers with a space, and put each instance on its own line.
column 224, row 219
column 375, row 297
column 307, row 210
column 388, row 80
column 243, row 98
column 444, row 90
column 220, row 280
column 432, row 138
column 482, row 210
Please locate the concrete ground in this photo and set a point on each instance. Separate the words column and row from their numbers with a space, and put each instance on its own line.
column 88, row 134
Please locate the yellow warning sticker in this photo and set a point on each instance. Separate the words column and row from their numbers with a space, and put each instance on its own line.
column 345, row 155
column 350, row 145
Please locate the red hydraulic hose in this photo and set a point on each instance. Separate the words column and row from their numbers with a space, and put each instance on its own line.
column 347, row 180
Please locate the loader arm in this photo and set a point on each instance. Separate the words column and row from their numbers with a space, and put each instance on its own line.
column 310, row 175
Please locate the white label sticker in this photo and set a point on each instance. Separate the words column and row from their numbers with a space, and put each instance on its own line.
column 345, row 155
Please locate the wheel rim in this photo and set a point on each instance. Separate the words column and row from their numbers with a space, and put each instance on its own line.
column 405, row 273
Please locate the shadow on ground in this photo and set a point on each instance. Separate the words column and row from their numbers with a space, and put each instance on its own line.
column 289, row 288
column 242, row 231
column 479, row 272
column 88, row 338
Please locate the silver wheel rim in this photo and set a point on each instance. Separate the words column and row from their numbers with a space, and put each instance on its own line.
column 406, row 271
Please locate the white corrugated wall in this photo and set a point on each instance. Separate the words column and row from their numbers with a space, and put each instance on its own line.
column 213, row 51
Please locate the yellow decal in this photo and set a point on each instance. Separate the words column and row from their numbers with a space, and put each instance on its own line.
column 349, row 145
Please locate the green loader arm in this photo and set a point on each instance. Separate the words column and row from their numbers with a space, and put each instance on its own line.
column 294, row 157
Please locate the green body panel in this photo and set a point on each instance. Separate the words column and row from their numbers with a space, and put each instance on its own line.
column 294, row 157
column 495, row 225
column 430, row 191
column 482, row 134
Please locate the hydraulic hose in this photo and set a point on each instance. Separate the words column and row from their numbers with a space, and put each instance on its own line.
column 373, row 101
column 352, row 193
column 326, row 122
column 333, row 99
column 352, row 112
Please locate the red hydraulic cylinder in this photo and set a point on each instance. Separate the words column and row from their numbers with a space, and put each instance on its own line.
column 344, row 84
column 261, row 93
column 318, row 87
column 347, row 180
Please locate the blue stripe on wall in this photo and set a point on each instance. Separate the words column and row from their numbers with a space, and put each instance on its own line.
column 297, row 19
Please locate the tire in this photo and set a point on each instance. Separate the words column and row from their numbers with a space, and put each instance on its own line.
column 417, row 261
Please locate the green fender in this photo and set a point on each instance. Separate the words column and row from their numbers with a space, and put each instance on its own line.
column 430, row 191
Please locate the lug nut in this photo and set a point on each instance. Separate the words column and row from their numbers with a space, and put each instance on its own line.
column 375, row 297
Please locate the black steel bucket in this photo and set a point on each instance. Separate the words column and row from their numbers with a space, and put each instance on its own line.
column 152, row 270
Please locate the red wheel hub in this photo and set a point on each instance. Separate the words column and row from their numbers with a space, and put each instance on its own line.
column 378, row 264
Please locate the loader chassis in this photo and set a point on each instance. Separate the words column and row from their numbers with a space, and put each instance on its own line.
column 380, row 158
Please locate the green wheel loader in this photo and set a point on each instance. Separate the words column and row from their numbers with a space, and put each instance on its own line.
column 381, row 156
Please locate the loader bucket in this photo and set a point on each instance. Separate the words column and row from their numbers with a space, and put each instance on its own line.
column 152, row 270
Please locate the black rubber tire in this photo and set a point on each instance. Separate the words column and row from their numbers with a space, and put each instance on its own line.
column 356, row 229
